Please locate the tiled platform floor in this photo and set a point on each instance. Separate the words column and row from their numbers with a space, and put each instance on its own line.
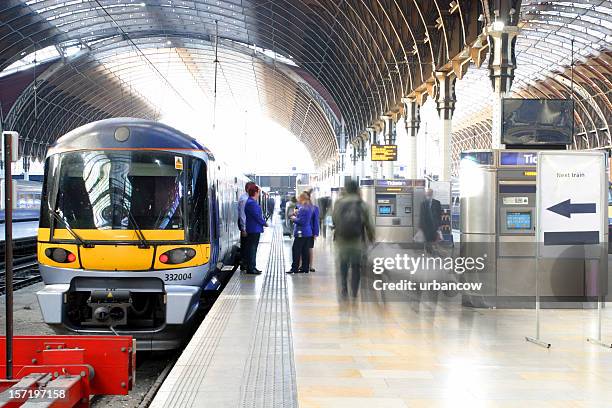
column 365, row 354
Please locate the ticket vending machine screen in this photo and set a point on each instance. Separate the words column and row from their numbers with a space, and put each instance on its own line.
column 518, row 220
column 384, row 210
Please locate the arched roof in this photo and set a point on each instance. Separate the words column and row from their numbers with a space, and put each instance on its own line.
column 365, row 55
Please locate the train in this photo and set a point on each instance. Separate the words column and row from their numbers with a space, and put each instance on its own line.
column 137, row 222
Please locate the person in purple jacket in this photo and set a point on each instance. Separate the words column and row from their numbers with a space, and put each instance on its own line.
column 255, row 224
column 315, row 230
column 302, row 233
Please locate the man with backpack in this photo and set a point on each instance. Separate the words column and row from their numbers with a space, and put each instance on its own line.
column 353, row 231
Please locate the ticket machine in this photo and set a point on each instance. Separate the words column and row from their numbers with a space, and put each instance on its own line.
column 498, row 210
column 394, row 206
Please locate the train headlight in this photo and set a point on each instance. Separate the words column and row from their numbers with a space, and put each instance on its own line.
column 177, row 256
column 60, row 255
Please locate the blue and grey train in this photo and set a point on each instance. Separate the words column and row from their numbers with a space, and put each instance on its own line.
column 137, row 220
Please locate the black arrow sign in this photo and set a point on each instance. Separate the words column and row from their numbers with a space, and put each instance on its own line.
column 566, row 208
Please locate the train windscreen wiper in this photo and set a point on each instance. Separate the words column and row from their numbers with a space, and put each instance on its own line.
column 77, row 238
column 144, row 244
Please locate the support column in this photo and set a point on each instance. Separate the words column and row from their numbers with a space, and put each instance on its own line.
column 26, row 168
column 364, row 152
column 373, row 139
column 412, row 121
column 389, row 136
column 354, row 158
column 502, row 62
column 445, row 103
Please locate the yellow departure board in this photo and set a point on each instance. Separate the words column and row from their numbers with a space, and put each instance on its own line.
column 384, row 152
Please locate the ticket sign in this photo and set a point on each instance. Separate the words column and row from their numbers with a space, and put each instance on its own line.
column 571, row 198
column 384, row 152
column 510, row 158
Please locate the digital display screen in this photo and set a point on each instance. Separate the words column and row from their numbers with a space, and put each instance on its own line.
column 518, row 220
column 537, row 121
column 518, row 158
column 485, row 158
column 384, row 209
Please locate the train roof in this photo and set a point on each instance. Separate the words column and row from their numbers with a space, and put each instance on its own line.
column 126, row 133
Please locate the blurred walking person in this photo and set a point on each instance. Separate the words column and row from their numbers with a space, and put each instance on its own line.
column 430, row 219
column 255, row 224
column 325, row 206
column 270, row 204
column 353, row 232
column 302, row 233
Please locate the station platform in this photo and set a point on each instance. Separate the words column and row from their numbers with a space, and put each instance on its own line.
column 21, row 230
column 278, row 340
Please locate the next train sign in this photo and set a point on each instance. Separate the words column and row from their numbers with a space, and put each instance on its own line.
column 571, row 198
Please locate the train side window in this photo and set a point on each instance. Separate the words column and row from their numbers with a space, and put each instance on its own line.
column 197, row 217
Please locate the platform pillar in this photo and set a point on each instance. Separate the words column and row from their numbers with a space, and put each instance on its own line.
column 389, row 136
column 412, row 123
column 502, row 63
column 364, row 152
column 354, row 156
column 372, row 139
column 26, row 168
column 445, row 104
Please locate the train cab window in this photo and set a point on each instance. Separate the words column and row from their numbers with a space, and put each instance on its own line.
column 119, row 190
column 197, row 201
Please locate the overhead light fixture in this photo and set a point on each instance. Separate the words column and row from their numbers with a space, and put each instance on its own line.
column 481, row 18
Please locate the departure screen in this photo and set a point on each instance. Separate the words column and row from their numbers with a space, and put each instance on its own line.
column 518, row 220
column 384, row 209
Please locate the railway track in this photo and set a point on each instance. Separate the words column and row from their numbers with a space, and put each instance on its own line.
column 25, row 264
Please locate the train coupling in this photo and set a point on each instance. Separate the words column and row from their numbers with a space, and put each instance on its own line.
column 109, row 307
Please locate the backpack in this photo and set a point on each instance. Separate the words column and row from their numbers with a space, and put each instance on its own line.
column 350, row 225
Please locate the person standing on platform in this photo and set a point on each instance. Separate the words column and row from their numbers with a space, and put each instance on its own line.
column 270, row 204
column 353, row 232
column 315, row 230
column 430, row 220
column 242, row 224
column 324, row 205
column 255, row 224
column 302, row 233
column 290, row 208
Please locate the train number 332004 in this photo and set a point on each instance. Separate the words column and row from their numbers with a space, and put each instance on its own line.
column 169, row 277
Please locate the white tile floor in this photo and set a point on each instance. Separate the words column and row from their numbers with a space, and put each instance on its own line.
column 406, row 354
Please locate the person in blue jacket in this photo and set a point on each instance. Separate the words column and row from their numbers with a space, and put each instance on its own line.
column 302, row 233
column 255, row 224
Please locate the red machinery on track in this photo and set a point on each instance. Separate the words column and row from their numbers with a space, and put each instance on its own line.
column 63, row 371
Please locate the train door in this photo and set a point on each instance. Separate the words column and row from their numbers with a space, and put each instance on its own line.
column 214, row 218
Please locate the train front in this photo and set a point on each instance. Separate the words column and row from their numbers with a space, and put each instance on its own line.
column 123, row 244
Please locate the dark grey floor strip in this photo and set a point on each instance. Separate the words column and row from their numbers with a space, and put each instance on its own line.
column 269, row 377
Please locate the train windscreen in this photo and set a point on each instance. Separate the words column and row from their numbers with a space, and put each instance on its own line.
column 118, row 190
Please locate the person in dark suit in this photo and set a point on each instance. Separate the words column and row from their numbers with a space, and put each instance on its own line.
column 255, row 224
column 430, row 220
